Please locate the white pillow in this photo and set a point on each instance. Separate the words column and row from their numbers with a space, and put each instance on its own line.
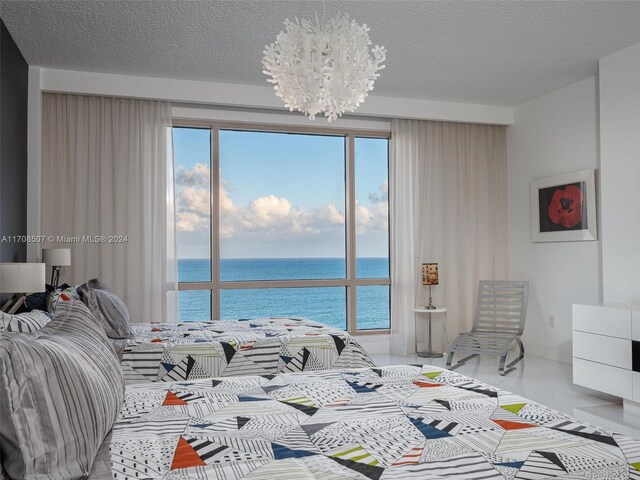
column 66, row 295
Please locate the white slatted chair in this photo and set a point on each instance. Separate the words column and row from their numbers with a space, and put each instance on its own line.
column 500, row 314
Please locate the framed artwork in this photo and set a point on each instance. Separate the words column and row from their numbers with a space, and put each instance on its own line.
column 563, row 208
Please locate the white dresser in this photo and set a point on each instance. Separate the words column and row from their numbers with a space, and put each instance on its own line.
column 606, row 350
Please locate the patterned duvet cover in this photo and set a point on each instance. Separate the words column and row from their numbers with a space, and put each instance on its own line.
column 370, row 423
column 187, row 351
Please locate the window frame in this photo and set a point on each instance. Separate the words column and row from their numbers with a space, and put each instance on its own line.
column 350, row 282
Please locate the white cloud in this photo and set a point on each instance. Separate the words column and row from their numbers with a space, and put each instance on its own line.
column 363, row 215
column 227, row 210
column 270, row 216
column 194, row 208
column 226, row 204
column 382, row 196
column 331, row 214
column 191, row 222
column 269, row 212
column 372, row 219
column 277, row 216
column 196, row 200
column 198, row 176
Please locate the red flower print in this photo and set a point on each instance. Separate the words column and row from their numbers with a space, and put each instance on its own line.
column 566, row 206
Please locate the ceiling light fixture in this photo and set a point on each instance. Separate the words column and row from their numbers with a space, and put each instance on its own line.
column 323, row 68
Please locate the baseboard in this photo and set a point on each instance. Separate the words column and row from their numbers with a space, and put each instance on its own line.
column 551, row 353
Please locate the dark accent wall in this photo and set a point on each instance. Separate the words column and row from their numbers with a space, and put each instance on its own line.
column 14, row 79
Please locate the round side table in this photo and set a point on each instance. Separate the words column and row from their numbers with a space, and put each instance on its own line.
column 429, row 353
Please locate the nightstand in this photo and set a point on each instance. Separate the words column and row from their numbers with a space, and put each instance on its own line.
column 429, row 311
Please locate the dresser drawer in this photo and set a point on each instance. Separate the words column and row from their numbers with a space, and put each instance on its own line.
column 614, row 322
column 635, row 325
column 602, row 349
column 604, row 378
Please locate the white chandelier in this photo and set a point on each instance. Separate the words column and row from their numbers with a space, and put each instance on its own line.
column 323, row 68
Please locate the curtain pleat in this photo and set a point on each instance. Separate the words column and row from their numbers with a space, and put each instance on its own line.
column 449, row 205
column 107, row 171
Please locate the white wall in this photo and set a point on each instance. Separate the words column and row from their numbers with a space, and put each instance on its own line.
column 34, row 119
column 256, row 96
column 620, row 183
column 553, row 134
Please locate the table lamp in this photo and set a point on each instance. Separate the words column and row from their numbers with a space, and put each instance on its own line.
column 20, row 279
column 430, row 277
column 56, row 258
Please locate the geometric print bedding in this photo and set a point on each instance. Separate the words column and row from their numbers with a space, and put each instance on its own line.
column 371, row 423
column 189, row 351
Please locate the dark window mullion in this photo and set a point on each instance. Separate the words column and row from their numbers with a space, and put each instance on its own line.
column 215, row 222
column 350, row 207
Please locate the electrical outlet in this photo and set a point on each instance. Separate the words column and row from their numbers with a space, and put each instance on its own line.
column 552, row 320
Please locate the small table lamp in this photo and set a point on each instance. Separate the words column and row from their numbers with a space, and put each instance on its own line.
column 20, row 279
column 56, row 258
column 430, row 277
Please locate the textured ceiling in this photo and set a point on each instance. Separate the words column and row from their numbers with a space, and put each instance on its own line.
column 500, row 53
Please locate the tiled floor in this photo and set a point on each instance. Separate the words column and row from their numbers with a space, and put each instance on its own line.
column 544, row 381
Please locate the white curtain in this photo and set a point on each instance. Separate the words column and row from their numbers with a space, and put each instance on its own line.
column 449, row 205
column 107, row 174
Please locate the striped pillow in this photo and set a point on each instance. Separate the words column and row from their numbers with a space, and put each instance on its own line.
column 61, row 389
column 107, row 307
column 24, row 322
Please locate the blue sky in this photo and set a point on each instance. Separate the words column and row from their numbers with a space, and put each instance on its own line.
column 282, row 194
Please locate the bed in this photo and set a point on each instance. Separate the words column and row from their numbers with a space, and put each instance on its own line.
column 369, row 423
column 188, row 351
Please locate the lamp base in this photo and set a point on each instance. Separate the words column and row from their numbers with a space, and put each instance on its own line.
column 55, row 277
column 431, row 306
column 430, row 354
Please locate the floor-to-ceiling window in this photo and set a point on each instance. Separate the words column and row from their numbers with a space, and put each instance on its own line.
column 279, row 222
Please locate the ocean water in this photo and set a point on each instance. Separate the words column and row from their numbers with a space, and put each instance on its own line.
column 325, row 304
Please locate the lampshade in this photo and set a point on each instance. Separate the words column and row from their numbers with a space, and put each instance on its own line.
column 22, row 277
column 56, row 257
column 430, row 274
